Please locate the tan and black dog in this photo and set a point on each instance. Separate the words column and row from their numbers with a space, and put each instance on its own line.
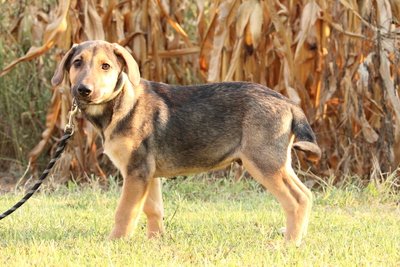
column 152, row 129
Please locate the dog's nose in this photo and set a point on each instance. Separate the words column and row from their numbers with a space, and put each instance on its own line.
column 84, row 90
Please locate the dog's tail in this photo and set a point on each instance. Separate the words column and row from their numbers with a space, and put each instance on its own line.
column 305, row 136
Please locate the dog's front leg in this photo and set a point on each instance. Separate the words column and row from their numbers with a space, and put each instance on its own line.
column 154, row 209
column 134, row 193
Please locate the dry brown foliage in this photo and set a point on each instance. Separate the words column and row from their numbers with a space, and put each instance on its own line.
column 336, row 59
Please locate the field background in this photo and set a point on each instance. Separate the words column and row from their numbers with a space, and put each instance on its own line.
column 337, row 59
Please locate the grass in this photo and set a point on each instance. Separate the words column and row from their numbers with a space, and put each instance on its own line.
column 208, row 224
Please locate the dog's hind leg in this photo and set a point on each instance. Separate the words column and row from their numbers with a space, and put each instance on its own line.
column 309, row 195
column 154, row 209
column 283, row 183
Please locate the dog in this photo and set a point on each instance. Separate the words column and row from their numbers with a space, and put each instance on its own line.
column 152, row 129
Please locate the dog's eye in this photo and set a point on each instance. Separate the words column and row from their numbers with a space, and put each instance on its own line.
column 105, row 66
column 77, row 63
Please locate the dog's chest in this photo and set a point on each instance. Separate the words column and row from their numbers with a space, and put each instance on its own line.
column 119, row 152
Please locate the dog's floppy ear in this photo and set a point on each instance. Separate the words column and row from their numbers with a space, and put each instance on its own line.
column 131, row 66
column 59, row 74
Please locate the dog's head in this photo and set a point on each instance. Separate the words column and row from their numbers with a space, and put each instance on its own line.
column 94, row 69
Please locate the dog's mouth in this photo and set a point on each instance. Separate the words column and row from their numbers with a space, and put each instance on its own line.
column 81, row 99
column 86, row 101
column 83, row 102
column 94, row 98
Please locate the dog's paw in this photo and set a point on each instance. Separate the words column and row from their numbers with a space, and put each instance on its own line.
column 282, row 230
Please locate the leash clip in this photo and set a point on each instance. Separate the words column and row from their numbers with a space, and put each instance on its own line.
column 69, row 126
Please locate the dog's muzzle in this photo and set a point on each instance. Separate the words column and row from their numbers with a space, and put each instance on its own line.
column 88, row 95
column 83, row 93
column 84, row 90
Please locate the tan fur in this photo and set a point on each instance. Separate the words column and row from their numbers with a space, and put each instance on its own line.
column 155, row 130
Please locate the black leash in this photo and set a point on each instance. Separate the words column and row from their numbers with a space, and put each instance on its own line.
column 68, row 132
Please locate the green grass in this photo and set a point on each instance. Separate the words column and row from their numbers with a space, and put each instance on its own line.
column 208, row 224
